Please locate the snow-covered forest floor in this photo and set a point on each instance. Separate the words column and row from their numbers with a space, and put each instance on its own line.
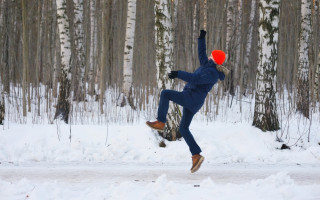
column 116, row 156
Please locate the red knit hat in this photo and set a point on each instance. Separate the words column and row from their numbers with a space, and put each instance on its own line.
column 218, row 56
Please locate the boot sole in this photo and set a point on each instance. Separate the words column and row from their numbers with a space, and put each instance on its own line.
column 161, row 130
column 198, row 165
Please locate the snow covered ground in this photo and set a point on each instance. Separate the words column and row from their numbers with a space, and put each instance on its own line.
column 124, row 161
column 126, row 181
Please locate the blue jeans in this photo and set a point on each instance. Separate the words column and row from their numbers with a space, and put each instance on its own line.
column 177, row 97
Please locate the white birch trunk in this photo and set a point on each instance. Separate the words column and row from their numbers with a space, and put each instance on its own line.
column 230, row 23
column 230, row 44
column 203, row 11
column 265, row 110
column 248, row 46
column 64, row 34
column 303, row 59
column 164, row 56
column 79, row 47
column 63, row 106
column 125, row 97
column 237, row 66
column 195, row 32
column 93, row 42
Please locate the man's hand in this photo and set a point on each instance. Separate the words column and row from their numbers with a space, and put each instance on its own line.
column 173, row 74
column 202, row 34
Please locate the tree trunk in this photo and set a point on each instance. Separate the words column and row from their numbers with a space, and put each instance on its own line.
column 164, row 53
column 126, row 96
column 238, row 67
column 63, row 106
column 316, row 51
column 231, row 45
column 317, row 80
column 104, row 46
column 6, row 48
column 265, row 110
column 24, row 56
column 79, row 49
column 248, row 46
column 2, row 41
column 2, row 107
column 92, row 47
column 55, row 52
column 203, row 11
column 195, row 31
column 303, row 59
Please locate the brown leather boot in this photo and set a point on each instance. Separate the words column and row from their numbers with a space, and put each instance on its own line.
column 196, row 162
column 157, row 125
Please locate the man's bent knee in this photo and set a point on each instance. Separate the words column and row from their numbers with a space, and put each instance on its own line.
column 164, row 93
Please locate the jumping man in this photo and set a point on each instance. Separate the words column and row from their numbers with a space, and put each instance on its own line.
column 199, row 83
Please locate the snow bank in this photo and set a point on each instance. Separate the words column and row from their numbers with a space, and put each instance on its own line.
column 220, row 143
column 278, row 186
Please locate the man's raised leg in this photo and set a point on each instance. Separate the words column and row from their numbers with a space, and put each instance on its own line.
column 165, row 97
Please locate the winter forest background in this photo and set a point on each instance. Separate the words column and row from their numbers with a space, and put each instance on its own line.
column 82, row 61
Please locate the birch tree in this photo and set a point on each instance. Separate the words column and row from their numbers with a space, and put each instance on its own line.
column 303, row 59
column 231, row 44
column 79, row 47
column 63, row 106
column 164, row 56
column 126, row 97
column 203, row 15
column 195, row 32
column 237, row 71
column 265, row 109
column 92, row 46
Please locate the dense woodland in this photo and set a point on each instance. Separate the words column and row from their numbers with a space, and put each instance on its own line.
column 33, row 49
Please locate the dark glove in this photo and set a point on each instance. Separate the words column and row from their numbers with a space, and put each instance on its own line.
column 173, row 74
column 202, row 34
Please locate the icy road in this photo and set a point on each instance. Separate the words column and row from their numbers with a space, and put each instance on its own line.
column 119, row 172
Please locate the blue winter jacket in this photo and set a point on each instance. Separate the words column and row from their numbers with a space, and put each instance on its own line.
column 200, row 82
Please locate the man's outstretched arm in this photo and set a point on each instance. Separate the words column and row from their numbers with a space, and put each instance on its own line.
column 202, row 51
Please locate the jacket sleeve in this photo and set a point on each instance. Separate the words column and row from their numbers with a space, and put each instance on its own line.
column 186, row 76
column 197, row 79
column 202, row 51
